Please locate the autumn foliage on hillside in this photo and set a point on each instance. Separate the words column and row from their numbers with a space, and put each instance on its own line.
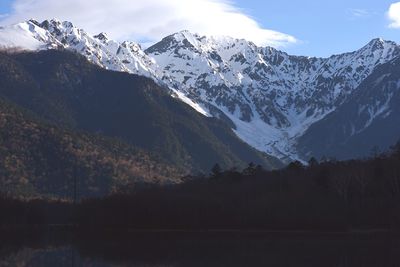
column 37, row 159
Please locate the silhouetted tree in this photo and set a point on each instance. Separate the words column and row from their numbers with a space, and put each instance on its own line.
column 250, row 170
column 313, row 162
column 395, row 149
column 295, row 165
column 216, row 171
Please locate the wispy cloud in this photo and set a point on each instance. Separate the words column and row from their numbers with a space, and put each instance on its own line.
column 359, row 13
column 394, row 15
column 151, row 20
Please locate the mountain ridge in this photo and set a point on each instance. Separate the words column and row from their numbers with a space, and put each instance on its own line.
column 66, row 90
column 269, row 98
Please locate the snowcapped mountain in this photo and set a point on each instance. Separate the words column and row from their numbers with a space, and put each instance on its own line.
column 269, row 97
column 367, row 122
column 99, row 49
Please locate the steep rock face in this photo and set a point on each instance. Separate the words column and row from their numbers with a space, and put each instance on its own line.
column 368, row 122
column 271, row 97
column 268, row 97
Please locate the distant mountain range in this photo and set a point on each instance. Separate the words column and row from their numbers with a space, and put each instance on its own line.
column 289, row 107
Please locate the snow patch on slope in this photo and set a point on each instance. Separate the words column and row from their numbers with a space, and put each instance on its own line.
column 271, row 97
column 20, row 36
column 185, row 99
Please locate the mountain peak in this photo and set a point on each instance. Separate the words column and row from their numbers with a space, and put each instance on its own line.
column 102, row 37
column 377, row 40
column 33, row 21
column 186, row 34
column 187, row 38
column 56, row 25
column 184, row 39
column 380, row 43
column 249, row 85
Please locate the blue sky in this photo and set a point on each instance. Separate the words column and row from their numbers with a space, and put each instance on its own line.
column 325, row 27
column 320, row 28
column 5, row 6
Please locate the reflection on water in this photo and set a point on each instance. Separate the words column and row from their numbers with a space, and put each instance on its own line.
column 197, row 249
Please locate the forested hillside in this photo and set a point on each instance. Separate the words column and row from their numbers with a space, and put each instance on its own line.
column 38, row 159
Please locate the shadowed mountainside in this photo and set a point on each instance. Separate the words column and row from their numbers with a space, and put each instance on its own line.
column 38, row 159
column 64, row 88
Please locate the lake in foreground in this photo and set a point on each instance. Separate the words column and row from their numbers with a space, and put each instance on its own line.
column 152, row 249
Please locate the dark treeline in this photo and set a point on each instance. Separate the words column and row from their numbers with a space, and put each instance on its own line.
column 334, row 196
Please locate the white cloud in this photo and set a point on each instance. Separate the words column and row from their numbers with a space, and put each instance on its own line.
column 394, row 15
column 151, row 20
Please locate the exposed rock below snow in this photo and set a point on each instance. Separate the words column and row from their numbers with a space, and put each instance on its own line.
column 269, row 97
column 368, row 122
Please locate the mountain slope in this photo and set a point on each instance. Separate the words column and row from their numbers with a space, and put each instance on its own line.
column 367, row 121
column 64, row 88
column 38, row 159
column 52, row 34
column 269, row 98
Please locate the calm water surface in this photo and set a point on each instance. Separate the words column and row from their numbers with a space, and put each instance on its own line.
column 98, row 249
